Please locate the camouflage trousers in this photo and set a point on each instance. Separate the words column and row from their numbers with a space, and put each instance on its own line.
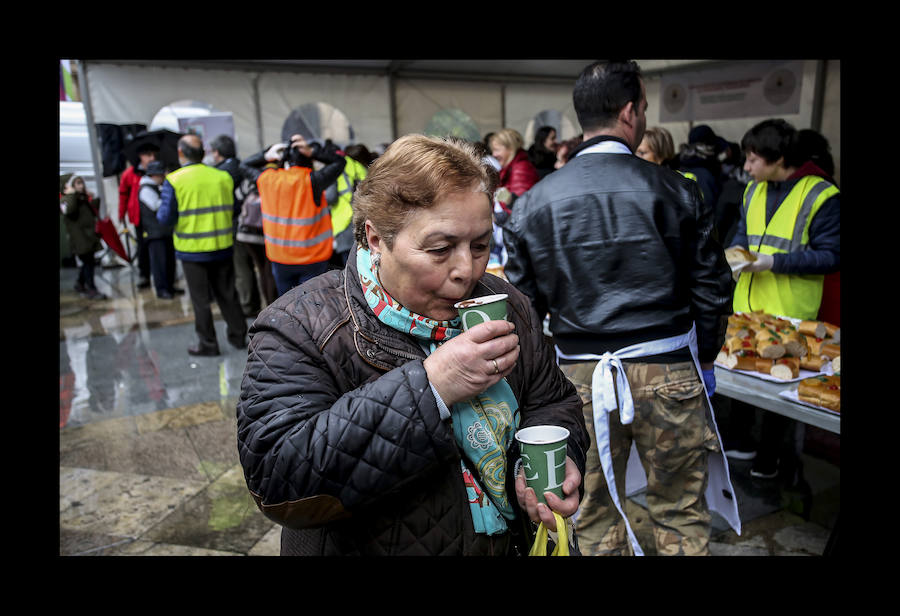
column 673, row 434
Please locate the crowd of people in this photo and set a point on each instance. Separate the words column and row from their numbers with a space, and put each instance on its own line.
column 371, row 422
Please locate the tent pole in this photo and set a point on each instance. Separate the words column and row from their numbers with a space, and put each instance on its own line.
column 818, row 103
column 92, row 136
column 392, row 96
column 259, row 125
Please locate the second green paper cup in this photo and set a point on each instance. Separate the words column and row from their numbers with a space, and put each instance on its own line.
column 543, row 458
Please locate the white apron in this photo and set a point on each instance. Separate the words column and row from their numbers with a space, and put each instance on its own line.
column 603, row 395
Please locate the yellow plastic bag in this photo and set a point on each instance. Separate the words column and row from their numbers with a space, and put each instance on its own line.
column 540, row 539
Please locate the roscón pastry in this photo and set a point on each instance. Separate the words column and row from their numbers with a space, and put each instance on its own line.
column 822, row 390
column 751, row 337
column 814, row 363
column 736, row 256
column 786, row 368
column 814, row 329
column 770, row 347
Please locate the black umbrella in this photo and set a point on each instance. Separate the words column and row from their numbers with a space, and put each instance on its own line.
column 302, row 121
column 166, row 141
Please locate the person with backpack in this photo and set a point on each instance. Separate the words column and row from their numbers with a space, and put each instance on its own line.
column 250, row 234
column 223, row 155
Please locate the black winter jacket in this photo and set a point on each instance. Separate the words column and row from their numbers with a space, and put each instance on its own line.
column 339, row 432
column 619, row 251
column 232, row 166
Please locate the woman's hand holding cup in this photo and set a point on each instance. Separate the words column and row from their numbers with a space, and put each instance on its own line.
column 539, row 512
column 471, row 362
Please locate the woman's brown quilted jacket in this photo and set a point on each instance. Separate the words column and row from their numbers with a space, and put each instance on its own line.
column 339, row 433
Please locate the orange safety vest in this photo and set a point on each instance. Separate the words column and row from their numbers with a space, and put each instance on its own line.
column 296, row 230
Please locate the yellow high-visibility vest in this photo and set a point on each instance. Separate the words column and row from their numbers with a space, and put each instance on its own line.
column 342, row 211
column 790, row 295
column 205, row 198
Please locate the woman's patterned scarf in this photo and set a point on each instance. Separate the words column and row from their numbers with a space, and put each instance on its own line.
column 483, row 426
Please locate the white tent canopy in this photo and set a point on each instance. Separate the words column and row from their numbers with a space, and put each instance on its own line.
column 374, row 101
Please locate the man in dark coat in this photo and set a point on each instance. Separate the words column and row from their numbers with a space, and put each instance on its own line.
column 622, row 254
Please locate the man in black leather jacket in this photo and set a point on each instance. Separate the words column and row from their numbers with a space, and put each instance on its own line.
column 623, row 252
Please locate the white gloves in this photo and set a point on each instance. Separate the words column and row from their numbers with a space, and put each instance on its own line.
column 761, row 264
column 275, row 153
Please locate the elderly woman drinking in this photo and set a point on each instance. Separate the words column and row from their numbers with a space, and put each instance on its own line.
column 369, row 422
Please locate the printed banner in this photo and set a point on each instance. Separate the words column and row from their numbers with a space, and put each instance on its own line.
column 208, row 127
column 66, row 86
column 742, row 89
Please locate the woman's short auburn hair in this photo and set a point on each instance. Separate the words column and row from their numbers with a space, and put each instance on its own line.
column 414, row 173
column 509, row 138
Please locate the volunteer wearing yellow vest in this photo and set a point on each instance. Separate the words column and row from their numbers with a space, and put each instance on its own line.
column 296, row 219
column 198, row 200
column 791, row 222
column 339, row 197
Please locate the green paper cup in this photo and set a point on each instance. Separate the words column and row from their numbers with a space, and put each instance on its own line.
column 543, row 458
column 480, row 309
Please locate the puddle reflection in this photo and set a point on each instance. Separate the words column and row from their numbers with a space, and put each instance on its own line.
column 128, row 355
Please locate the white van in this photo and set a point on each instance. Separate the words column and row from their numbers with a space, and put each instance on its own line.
column 75, row 144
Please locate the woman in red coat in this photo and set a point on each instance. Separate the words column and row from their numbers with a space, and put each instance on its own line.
column 517, row 173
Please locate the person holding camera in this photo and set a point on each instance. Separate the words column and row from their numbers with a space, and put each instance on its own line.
column 296, row 216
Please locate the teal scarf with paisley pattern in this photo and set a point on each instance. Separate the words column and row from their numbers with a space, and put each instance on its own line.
column 483, row 426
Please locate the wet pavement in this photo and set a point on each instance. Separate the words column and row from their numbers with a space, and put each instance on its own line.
column 148, row 461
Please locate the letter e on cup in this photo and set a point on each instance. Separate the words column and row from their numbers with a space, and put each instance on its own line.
column 553, row 475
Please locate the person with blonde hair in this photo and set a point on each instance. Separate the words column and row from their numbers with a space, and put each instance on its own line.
column 517, row 173
column 369, row 422
column 657, row 146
